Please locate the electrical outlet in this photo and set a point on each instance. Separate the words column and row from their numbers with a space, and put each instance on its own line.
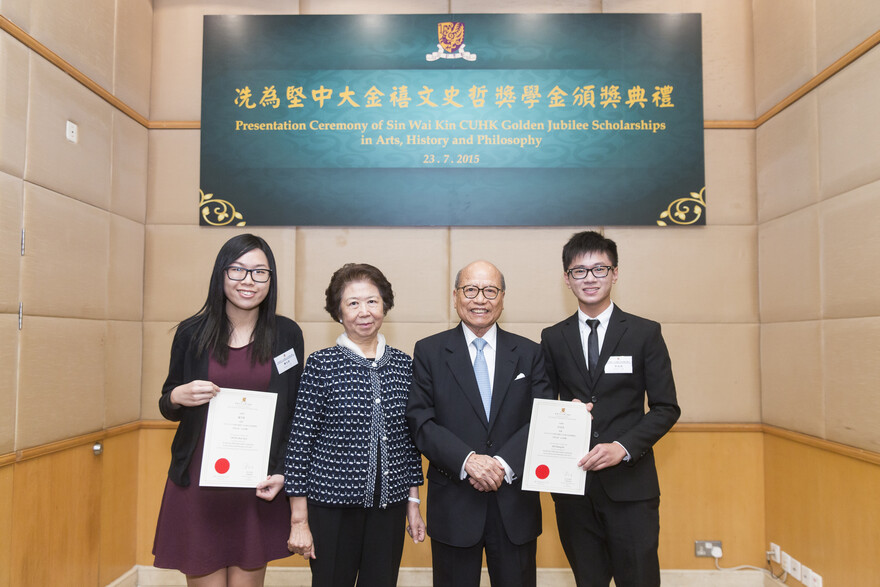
column 704, row 547
column 71, row 132
column 815, row 580
column 785, row 561
column 806, row 575
column 775, row 553
column 795, row 572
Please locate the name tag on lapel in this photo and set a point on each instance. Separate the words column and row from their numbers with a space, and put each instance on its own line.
column 286, row 360
column 619, row 365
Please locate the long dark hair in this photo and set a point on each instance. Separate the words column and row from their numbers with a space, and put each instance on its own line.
column 212, row 326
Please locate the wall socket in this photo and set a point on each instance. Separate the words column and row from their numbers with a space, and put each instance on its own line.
column 704, row 547
column 775, row 553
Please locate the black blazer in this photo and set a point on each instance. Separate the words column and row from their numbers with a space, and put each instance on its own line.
column 186, row 367
column 618, row 398
column 447, row 421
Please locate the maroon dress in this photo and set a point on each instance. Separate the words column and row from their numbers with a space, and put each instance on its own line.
column 204, row 529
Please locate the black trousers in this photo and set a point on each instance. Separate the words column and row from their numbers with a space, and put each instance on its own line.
column 357, row 546
column 604, row 538
column 509, row 564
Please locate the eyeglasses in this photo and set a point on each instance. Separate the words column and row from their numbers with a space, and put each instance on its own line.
column 598, row 272
column 490, row 292
column 240, row 273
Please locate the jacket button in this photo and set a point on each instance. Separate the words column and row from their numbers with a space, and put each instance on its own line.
column 595, row 435
column 490, row 444
column 594, row 399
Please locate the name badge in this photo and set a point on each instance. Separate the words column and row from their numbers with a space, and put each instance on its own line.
column 619, row 365
column 286, row 360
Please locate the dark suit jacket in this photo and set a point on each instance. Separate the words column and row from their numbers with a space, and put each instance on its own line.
column 618, row 398
column 185, row 366
column 447, row 421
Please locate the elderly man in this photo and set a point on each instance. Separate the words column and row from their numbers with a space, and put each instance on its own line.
column 469, row 412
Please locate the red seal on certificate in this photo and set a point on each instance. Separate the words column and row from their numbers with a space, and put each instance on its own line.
column 221, row 466
column 542, row 472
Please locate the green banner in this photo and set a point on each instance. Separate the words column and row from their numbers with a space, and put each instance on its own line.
column 452, row 120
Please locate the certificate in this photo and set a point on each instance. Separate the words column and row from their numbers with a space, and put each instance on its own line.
column 559, row 435
column 237, row 438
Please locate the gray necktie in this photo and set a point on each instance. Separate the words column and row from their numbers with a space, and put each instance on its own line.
column 481, row 370
column 593, row 346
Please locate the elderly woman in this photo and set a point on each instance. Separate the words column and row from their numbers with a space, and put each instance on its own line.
column 352, row 472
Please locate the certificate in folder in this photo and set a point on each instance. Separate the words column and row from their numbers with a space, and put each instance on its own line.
column 559, row 435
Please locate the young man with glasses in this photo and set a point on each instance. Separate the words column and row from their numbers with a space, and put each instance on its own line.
column 469, row 411
column 613, row 360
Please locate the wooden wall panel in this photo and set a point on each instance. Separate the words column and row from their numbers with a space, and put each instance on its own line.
column 822, row 510
column 119, row 489
column 154, row 455
column 56, row 519
column 5, row 525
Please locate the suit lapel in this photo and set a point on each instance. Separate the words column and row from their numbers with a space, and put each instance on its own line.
column 505, row 364
column 571, row 332
column 458, row 359
column 615, row 331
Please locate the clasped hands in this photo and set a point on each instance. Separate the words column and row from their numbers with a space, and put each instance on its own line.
column 485, row 473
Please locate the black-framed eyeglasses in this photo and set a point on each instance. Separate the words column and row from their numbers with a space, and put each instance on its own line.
column 240, row 273
column 490, row 292
column 598, row 271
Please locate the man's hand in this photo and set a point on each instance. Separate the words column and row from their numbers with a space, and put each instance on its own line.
column 602, row 456
column 484, row 472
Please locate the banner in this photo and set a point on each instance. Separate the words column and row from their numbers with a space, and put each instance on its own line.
column 452, row 120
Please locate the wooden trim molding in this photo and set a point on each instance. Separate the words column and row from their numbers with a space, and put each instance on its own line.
column 48, row 54
column 682, row 427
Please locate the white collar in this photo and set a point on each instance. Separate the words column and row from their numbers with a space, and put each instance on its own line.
column 343, row 340
column 490, row 337
column 603, row 318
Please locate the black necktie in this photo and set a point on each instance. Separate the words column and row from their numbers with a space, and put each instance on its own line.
column 593, row 346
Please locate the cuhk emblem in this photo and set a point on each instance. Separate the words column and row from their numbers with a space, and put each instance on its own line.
column 450, row 37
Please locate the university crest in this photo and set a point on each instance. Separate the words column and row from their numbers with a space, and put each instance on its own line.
column 451, row 43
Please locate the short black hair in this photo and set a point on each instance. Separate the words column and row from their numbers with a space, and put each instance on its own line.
column 349, row 273
column 588, row 241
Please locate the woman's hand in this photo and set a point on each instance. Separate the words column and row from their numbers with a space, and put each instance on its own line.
column 300, row 541
column 194, row 393
column 415, row 525
column 269, row 487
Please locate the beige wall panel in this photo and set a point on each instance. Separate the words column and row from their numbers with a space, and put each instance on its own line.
column 524, row 6
column 17, row 11
column 125, row 287
column 822, row 509
column 156, row 355
column 61, row 381
column 80, row 31
column 788, row 165
column 531, row 261
column 530, row 330
column 119, row 485
column 730, row 176
column 129, row 175
column 154, row 455
column 11, row 203
column 413, row 259
column 132, row 67
column 9, row 337
column 851, row 253
column 688, row 274
column 122, row 373
column 712, row 486
column 6, row 537
column 728, row 70
column 176, row 83
column 840, row 26
column 182, row 257
column 13, row 114
column 850, row 372
column 173, row 183
column 64, row 269
column 80, row 170
column 785, row 49
column 716, row 368
column 789, row 270
column 849, row 126
column 374, row 7
column 791, row 377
